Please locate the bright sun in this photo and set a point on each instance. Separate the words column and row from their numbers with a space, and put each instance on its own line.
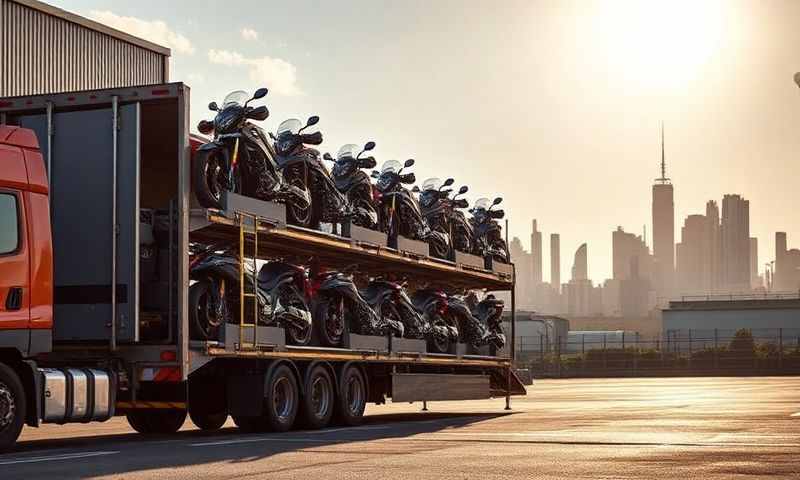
column 658, row 44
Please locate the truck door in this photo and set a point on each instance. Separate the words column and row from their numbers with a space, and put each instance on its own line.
column 14, row 269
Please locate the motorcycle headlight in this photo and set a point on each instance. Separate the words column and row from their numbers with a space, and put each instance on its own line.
column 227, row 120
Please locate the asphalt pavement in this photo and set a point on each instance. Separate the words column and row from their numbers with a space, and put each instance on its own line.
column 685, row 428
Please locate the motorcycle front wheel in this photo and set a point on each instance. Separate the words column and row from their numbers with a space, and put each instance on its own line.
column 210, row 177
column 296, row 335
column 329, row 322
column 298, row 215
column 204, row 316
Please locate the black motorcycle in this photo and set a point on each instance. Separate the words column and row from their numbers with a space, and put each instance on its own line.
column 489, row 242
column 399, row 212
column 442, row 214
column 302, row 167
column 479, row 322
column 214, row 298
column 354, row 184
column 432, row 304
column 240, row 158
column 286, row 288
column 339, row 307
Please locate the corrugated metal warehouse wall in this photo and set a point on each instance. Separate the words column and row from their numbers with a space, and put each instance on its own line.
column 45, row 50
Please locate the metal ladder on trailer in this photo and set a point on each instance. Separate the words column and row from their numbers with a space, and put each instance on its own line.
column 248, row 225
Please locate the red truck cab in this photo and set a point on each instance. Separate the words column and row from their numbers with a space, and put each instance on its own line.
column 26, row 252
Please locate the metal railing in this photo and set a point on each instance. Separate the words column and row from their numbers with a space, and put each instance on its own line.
column 680, row 352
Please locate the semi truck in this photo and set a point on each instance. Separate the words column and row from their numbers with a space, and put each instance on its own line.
column 96, row 221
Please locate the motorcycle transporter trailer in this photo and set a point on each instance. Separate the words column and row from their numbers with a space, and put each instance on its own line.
column 115, row 167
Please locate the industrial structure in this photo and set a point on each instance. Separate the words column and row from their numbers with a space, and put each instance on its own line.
column 47, row 50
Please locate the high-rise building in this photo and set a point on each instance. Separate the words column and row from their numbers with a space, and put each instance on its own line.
column 787, row 265
column 664, row 228
column 522, row 265
column 714, row 246
column 555, row 261
column 694, row 256
column 735, row 235
column 755, row 280
column 580, row 267
column 536, row 252
column 630, row 256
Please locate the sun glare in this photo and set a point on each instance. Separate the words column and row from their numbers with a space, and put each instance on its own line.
column 658, row 44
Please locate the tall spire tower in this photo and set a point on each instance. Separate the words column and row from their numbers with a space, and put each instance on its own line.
column 664, row 228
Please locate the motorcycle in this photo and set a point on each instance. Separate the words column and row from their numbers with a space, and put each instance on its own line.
column 287, row 288
column 442, row 214
column 214, row 298
column 479, row 322
column 340, row 307
column 489, row 242
column 399, row 211
column 302, row 167
column 432, row 304
column 239, row 159
column 354, row 184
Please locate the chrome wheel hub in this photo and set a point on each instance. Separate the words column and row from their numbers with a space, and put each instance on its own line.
column 7, row 408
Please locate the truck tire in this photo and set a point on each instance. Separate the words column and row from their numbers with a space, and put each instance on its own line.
column 317, row 403
column 281, row 399
column 12, row 407
column 208, row 421
column 156, row 421
column 352, row 398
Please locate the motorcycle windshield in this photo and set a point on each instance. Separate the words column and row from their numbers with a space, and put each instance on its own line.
column 391, row 166
column 351, row 150
column 482, row 203
column 291, row 125
column 434, row 183
column 237, row 97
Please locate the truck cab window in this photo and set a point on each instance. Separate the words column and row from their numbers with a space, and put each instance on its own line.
column 9, row 223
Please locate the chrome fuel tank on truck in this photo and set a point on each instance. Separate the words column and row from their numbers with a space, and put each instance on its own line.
column 77, row 395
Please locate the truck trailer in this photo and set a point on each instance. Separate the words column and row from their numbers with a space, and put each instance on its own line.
column 96, row 220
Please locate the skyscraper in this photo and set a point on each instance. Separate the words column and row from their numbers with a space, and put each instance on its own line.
column 664, row 227
column 755, row 281
column 580, row 267
column 536, row 252
column 714, row 265
column 735, row 235
column 693, row 256
column 630, row 256
column 555, row 261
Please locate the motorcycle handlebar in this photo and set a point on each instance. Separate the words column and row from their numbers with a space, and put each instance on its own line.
column 497, row 214
column 461, row 203
column 408, row 178
column 367, row 162
column 311, row 138
column 258, row 113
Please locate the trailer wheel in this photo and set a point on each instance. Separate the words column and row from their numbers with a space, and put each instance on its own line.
column 352, row 398
column 12, row 407
column 208, row 421
column 282, row 399
column 316, row 405
column 156, row 421
column 329, row 321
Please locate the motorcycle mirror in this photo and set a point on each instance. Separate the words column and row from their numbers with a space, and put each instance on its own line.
column 448, row 182
column 213, row 107
column 464, row 189
column 327, row 156
column 497, row 201
column 312, row 120
column 369, row 146
column 260, row 93
column 408, row 163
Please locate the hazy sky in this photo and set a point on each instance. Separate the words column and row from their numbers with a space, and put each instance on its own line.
column 555, row 105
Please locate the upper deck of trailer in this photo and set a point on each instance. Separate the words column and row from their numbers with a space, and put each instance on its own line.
column 333, row 251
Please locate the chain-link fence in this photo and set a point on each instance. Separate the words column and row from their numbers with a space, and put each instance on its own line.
column 677, row 352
